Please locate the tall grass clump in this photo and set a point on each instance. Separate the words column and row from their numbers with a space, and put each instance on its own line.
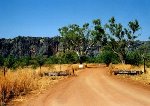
column 20, row 81
column 17, row 83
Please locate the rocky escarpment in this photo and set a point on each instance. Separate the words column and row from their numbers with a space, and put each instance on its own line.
column 29, row 46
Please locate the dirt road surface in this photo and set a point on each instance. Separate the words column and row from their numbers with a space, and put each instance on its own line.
column 93, row 87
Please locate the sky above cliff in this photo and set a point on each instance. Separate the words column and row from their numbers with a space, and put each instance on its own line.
column 44, row 17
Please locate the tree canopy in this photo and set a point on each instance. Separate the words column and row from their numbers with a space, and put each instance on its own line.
column 80, row 39
column 112, row 34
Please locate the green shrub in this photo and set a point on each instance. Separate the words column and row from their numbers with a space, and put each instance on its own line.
column 92, row 59
column 1, row 61
column 68, row 57
column 98, row 58
column 9, row 62
column 52, row 60
column 22, row 62
column 133, row 58
column 107, row 57
column 63, row 58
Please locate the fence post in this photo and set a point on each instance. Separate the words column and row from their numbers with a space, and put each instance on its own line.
column 144, row 66
column 3, row 91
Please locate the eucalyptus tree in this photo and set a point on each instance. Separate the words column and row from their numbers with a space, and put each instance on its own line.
column 9, row 62
column 72, row 37
column 98, row 33
column 39, row 61
column 120, row 38
column 80, row 39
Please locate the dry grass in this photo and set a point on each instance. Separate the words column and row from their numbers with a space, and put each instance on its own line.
column 144, row 78
column 94, row 65
column 17, row 83
column 57, row 67
column 125, row 67
column 23, row 81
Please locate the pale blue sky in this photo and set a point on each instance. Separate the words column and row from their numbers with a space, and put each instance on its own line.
column 44, row 17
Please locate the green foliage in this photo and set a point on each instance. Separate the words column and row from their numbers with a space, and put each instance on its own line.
column 114, row 42
column 121, row 38
column 13, row 63
column 95, row 59
column 98, row 33
column 72, row 37
column 134, row 58
column 79, row 39
column 52, row 60
column 38, row 61
column 69, row 57
column 22, row 62
column 9, row 62
column 1, row 61
column 85, row 58
column 147, row 59
column 63, row 58
column 107, row 57
column 25, row 61
column 148, row 64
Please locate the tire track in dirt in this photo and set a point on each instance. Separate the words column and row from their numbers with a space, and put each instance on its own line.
column 93, row 87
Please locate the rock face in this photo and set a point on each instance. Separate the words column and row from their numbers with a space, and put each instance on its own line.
column 29, row 46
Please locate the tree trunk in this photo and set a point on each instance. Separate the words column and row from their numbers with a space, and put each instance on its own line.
column 4, row 71
column 121, row 59
column 40, row 70
column 144, row 66
column 121, row 56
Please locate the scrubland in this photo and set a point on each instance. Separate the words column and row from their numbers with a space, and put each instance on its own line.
column 24, row 81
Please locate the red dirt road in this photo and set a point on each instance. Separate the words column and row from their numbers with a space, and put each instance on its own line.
column 93, row 87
